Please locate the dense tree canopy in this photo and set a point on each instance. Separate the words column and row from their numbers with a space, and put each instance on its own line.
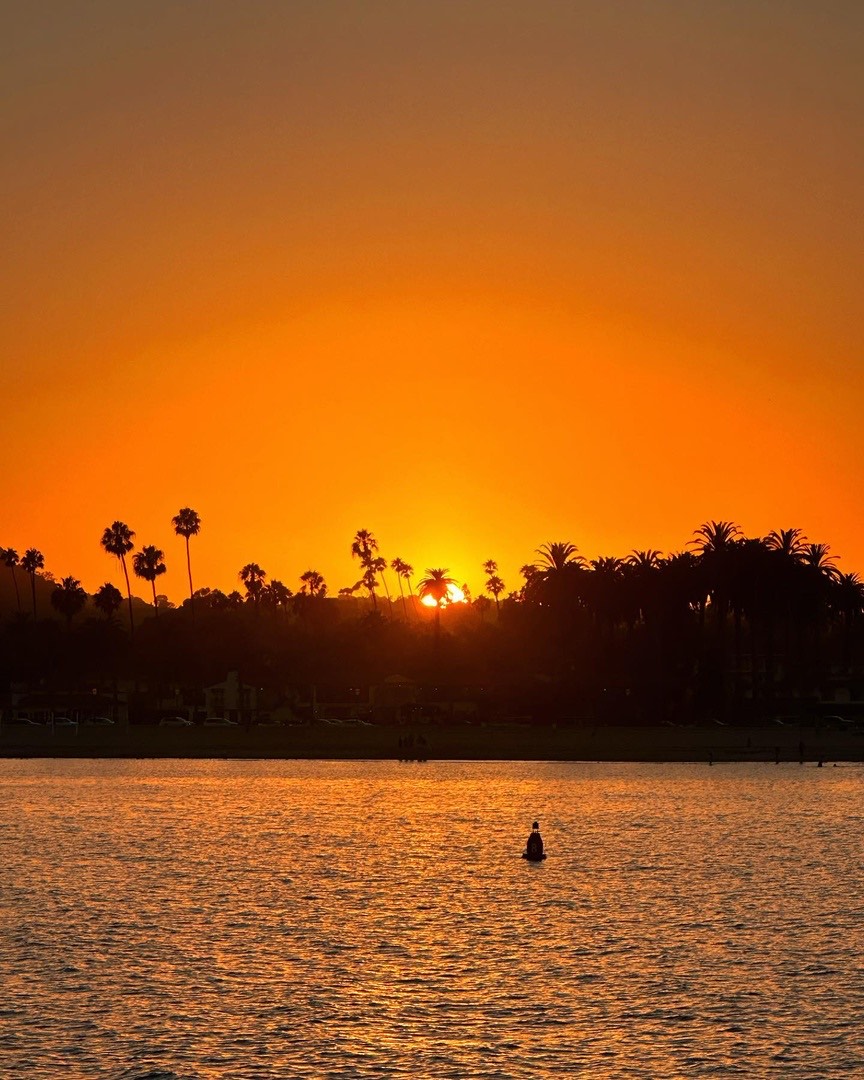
column 729, row 625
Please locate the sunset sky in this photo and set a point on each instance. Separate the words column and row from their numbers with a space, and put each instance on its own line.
column 473, row 275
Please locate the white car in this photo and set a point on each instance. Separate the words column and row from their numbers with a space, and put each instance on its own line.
column 64, row 721
column 219, row 721
column 175, row 721
column 100, row 721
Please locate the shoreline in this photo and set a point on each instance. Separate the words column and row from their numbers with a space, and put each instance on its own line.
column 466, row 743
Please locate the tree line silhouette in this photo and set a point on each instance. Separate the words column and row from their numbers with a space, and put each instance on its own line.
column 728, row 626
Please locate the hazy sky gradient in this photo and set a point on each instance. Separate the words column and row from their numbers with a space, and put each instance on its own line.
column 474, row 276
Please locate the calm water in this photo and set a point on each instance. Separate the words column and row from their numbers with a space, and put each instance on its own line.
column 254, row 920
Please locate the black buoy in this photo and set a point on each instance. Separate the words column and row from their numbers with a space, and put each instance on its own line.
column 534, row 846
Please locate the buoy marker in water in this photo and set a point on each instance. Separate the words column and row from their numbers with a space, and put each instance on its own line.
column 534, row 845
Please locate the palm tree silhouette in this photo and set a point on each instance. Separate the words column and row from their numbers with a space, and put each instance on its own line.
column 68, row 598
column 107, row 599
column 149, row 563
column 399, row 566
column 9, row 557
column 714, row 537
column 117, row 540
column 32, row 561
column 495, row 586
column 363, row 547
column 557, row 556
column 187, row 523
column 847, row 601
column 253, row 577
column 815, row 555
column 369, row 581
column 407, row 572
column 314, row 583
column 644, row 560
column 436, row 585
column 790, row 542
column 557, row 578
column 277, row 594
column 379, row 565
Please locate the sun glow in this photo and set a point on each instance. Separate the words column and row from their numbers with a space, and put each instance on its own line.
column 454, row 596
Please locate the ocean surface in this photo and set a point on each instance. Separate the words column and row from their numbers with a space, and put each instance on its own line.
column 207, row 920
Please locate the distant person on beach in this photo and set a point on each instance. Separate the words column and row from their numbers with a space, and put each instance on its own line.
column 534, row 844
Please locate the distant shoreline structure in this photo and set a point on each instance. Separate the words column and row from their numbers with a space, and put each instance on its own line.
column 506, row 742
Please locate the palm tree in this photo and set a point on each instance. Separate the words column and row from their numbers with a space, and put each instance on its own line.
column 815, row 555
column 641, row 580
column 713, row 537
column 495, row 586
column 314, row 583
column 117, row 540
column 407, row 572
column 369, row 581
column 399, row 566
column 252, row 577
column 555, row 578
column 715, row 541
column 363, row 547
column 436, row 585
column 9, row 557
column 187, row 523
column 107, row 599
column 557, row 556
column 605, row 591
column 149, row 563
column 644, row 560
column 32, row 561
column 68, row 598
column 379, row 565
column 276, row 593
column 790, row 542
column 847, row 601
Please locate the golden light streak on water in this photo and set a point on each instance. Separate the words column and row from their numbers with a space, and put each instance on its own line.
column 255, row 920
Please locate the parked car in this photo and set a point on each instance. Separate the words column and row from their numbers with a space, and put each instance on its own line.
column 219, row 721
column 64, row 721
column 175, row 721
column 837, row 722
column 99, row 721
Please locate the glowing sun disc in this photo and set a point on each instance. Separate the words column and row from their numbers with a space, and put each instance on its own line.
column 454, row 596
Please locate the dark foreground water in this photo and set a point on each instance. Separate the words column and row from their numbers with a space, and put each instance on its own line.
column 255, row 920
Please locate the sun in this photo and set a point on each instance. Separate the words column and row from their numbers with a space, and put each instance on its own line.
column 454, row 596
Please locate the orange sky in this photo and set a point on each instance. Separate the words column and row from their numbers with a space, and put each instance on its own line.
column 473, row 276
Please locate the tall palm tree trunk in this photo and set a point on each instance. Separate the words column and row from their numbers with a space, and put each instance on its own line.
column 17, row 593
column 189, row 569
column 155, row 601
column 402, row 595
column 129, row 596
column 33, row 590
column 386, row 590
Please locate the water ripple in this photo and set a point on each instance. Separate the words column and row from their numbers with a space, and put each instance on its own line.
column 170, row 921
